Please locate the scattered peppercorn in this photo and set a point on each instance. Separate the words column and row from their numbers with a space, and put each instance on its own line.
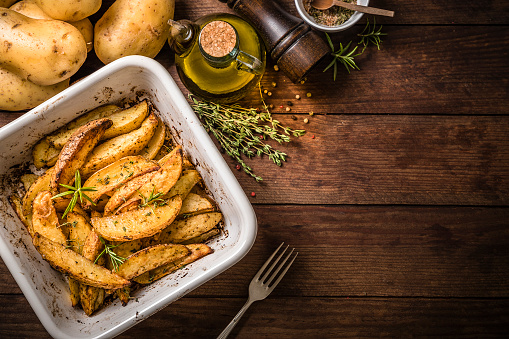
column 288, row 109
column 313, row 136
column 294, row 117
column 274, row 84
column 271, row 106
column 308, row 94
column 276, row 68
column 306, row 120
column 311, row 113
column 289, row 103
column 253, row 194
column 238, row 167
column 265, row 91
column 269, row 94
column 297, row 97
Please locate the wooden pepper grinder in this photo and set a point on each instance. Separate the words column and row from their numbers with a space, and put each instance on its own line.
column 289, row 40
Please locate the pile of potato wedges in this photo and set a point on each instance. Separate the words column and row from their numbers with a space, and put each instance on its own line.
column 118, row 205
column 45, row 42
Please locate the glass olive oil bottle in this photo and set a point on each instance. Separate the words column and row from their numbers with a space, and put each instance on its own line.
column 219, row 57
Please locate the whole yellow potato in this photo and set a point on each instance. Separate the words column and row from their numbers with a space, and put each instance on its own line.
column 44, row 52
column 69, row 10
column 30, row 9
column 17, row 94
column 132, row 27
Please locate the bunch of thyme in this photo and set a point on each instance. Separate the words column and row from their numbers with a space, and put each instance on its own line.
column 370, row 35
column 242, row 130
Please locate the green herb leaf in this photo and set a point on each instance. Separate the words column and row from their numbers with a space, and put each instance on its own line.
column 77, row 191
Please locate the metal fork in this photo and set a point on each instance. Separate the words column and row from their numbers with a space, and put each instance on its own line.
column 260, row 288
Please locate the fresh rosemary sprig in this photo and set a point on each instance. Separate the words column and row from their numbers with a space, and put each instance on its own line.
column 116, row 260
column 343, row 56
column 242, row 130
column 371, row 35
column 152, row 198
column 77, row 191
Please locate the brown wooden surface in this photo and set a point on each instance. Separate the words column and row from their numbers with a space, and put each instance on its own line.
column 397, row 198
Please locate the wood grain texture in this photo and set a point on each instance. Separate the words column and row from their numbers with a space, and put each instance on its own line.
column 288, row 318
column 396, row 159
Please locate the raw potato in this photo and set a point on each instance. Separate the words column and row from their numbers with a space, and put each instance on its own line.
column 121, row 146
column 78, row 267
column 87, row 30
column 133, row 27
column 149, row 258
column 45, row 220
column 30, row 9
column 69, row 10
column 141, row 223
column 74, row 154
column 111, row 177
column 44, row 52
column 18, row 94
column 197, row 251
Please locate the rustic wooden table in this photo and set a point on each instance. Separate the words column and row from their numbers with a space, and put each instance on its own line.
column 397, row 197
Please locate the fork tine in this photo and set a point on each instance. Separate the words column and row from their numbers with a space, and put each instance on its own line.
column 269, row 271
column 274, row 274
column 259, row 273
column 283, row 273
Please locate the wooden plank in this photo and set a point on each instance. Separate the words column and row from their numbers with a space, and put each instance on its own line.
column 373, row 251
column 356, row 159
column 297, row 318
column 438, row 74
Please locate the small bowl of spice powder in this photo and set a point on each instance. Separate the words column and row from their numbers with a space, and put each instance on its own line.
column 334, row 19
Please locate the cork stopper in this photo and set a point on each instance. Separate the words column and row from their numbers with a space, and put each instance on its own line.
column 218, row 38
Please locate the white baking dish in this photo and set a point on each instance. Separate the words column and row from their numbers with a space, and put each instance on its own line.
column 45, row 289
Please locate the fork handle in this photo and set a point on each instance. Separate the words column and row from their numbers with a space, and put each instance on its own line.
column 235, row 320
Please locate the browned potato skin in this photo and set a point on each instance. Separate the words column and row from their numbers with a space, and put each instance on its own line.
column 6, row 3
column 45, row 219
column 74, row 154
column 44, row 52
column 197, row 251
column 151, row 257
column 123, row 145
column 91, row 298
column 141, row 223
column 41, row 184
column 75, row 265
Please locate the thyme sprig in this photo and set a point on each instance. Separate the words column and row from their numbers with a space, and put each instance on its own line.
column 116, row 260
column 242, row 130
column 345, row 56
column 77, row 191
column 371, row 35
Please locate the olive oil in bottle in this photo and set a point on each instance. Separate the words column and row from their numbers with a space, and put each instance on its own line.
column 219, row 57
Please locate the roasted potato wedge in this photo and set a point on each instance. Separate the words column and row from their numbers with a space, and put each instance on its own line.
column 60, row 137
column 121, row 195
column 74, row 154
column 41, row 184
column 45, row 219
column 202, row 238
column 154, row 145
column 28, row 180
column 75, row 265
column 197, row 251
column 125, row 249
column 161, row 182
column 17, row 206
column 121, row 146
column 195, row 204
column 91, row 298
column 141, row 223
column 44, row 154
column 184, row 185
column 185, row 229
column 78, row 232
column 151, row 257
column 114, row 175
